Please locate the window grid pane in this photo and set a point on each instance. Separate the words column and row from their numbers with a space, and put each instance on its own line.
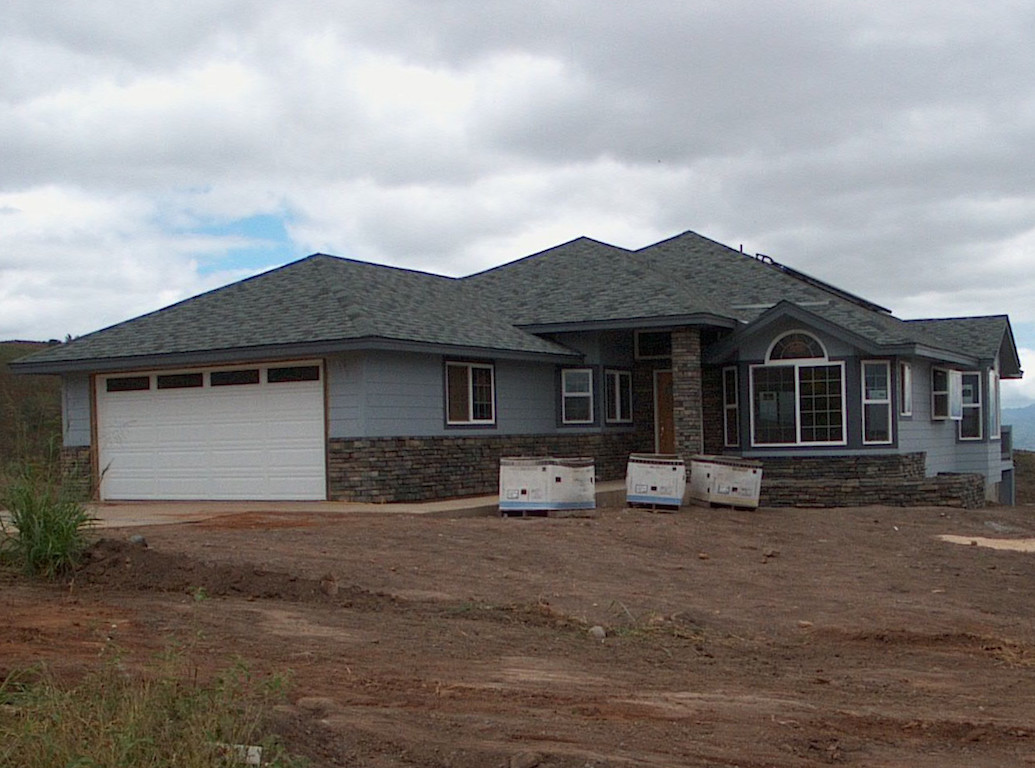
column 481, row 391
column 820, row 404
column 774, row 405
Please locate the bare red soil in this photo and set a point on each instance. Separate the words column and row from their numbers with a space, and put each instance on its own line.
column 733, row 638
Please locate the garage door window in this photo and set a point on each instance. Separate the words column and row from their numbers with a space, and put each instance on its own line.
column 128, row 384
column 293, row 373
column 180, row 381
column 234, row 378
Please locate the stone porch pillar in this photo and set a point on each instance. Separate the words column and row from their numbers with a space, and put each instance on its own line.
column 686, row 391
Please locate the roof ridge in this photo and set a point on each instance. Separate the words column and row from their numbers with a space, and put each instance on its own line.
column 996, row 316
column 537, row 254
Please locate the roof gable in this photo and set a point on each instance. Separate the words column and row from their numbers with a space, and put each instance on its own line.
column 985, row 337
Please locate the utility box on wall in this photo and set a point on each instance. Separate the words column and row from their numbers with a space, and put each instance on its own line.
column 725, row 480
column 541, row 484
column 655, row 479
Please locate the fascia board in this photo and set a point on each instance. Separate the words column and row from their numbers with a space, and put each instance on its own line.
column 273, row 352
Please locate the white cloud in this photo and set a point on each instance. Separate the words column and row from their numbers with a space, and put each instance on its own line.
column 1021, row 392
column 882, row 146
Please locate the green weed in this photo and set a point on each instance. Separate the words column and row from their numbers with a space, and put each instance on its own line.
column 111, row 719
column 46, row 533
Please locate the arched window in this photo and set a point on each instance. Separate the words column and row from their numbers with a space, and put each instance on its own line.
column 796, row 346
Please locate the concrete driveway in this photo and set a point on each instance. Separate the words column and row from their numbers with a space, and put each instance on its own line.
column 123, row 514
column 136, row 513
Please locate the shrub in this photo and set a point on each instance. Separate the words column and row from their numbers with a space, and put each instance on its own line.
column 47, row 531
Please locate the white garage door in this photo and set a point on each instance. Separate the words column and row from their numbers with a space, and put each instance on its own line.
column 227, row 433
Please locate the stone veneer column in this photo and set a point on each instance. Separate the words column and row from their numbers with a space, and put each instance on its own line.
column 686, row 391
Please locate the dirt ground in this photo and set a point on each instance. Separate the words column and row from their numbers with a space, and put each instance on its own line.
column 733, row 638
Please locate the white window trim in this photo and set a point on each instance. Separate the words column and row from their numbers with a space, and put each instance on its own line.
column 905, row 389
column 978, row 406
column 796, row 332
column 953, row 395
column 886, row 401
column 616, row 377
column 470, row 392
column 730, row 441
column 812, row 362
column 565, row 395
column 995, row 405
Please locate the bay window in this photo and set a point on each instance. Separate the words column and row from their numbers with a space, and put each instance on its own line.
column 797, row 397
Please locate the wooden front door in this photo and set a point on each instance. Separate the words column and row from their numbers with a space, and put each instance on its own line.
column 664, row 422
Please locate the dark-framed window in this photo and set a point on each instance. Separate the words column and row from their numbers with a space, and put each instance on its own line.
column 234, row 378
column 180, row 380
column 293, row 373
column 128, row 384
column 618, row 396
column 653, row 345
column 470, row 393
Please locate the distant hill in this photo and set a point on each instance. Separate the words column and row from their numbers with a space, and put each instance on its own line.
column 30, row 407
column 1023, row 422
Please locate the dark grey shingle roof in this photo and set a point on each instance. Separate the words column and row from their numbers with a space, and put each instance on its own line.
column 586, row 281
column 317, row 299
column 328, row 299
column 983, row 337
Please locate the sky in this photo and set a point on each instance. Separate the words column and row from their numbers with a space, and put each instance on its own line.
column 151, row 151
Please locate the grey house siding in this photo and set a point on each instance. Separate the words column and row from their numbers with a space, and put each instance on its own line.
column 394, row 394
column 940, row 438
column 75, row 410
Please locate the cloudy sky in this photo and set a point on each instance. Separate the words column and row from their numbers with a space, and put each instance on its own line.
column 149, row 151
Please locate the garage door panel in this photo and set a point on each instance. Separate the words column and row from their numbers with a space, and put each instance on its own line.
column 256, row 441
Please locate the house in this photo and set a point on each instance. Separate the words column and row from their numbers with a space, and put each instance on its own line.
column 333, row 378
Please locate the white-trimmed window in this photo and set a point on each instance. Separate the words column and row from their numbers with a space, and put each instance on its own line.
column 905, row 389
column 577, row 396
column 995, row 415
column 876, row 401
column 798, row 396
column 618, row 396
column 946, row 394
column 970, row 424
column 730, row 408
column 470, row 393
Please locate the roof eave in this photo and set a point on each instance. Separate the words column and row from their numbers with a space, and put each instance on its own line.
column 279, row 352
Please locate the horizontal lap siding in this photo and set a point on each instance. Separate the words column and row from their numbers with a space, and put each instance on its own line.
column 75, row 410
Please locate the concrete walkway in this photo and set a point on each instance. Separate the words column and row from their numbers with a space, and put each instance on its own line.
column 136, row 513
